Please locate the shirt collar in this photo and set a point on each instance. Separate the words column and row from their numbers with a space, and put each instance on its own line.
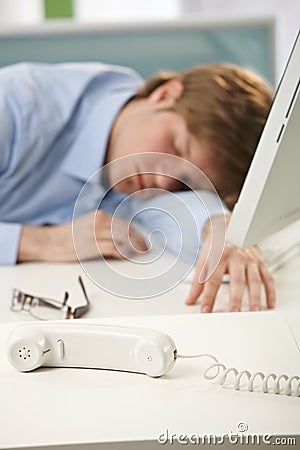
column 88, row 151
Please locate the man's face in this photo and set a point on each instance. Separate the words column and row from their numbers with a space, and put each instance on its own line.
column 149, row 135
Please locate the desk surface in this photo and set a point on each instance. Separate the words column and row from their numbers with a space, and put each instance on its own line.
column 51, row 280
column 65, row 406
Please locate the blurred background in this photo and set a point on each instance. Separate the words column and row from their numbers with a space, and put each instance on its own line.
column 151, row 35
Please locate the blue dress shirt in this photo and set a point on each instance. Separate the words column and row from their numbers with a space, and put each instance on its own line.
column 55, row 124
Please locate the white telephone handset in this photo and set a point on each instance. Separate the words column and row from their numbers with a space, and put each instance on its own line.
column 75, row 344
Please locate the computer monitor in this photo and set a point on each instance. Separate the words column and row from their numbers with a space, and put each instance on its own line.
column 270, row 197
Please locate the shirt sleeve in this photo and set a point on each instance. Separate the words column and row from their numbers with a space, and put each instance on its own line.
column 174, row 220
column 9, row 242
column 6, row 134
column 9, row 232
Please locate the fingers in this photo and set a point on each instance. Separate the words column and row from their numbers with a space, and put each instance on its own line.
column 210, row 274
column 195, row 291
column 247, row 271
column 259, row 276
column 127, row 239
column 116, row 238
column 254, row 283
column 108, row 249
column 197, row 286
column 269, row 284
column 236, row 286
column 210, row 289
column 137, row 241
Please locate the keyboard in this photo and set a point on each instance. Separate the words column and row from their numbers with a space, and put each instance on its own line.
column 281, row 246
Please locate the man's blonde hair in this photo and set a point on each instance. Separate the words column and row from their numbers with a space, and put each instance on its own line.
column 225, row 106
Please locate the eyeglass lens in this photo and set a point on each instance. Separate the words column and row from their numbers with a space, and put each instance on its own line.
column 46, row 308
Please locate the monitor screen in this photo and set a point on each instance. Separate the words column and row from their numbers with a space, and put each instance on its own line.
column 270, row 197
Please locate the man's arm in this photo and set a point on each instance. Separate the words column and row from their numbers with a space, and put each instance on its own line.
column 42, row 243
column 177, row 218
column 87, row 237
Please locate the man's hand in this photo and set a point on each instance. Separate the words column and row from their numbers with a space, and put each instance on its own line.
column 246, row 269
column 96, row 233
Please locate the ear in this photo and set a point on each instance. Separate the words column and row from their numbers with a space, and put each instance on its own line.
column 167, row 93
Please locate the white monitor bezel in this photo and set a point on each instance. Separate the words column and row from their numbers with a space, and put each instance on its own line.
column 244, row 227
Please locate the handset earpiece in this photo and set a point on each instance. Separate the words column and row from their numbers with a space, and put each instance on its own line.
column 27, row 348
column 155, row 357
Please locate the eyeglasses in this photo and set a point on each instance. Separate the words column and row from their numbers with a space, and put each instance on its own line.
column 47, row 308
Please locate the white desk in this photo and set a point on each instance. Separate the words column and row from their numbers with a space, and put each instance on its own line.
column 80, row 406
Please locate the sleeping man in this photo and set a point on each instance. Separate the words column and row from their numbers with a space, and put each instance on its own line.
column 62, row 123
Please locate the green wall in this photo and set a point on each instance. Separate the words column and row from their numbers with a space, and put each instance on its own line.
column 58, row 9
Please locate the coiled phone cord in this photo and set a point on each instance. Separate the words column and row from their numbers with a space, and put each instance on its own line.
column 288, row 380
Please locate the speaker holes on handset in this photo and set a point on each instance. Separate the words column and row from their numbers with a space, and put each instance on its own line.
column 24, row 353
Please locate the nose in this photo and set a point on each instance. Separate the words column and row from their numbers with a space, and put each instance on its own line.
column 172, row 174
column 161, row 181
column 168, row 183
